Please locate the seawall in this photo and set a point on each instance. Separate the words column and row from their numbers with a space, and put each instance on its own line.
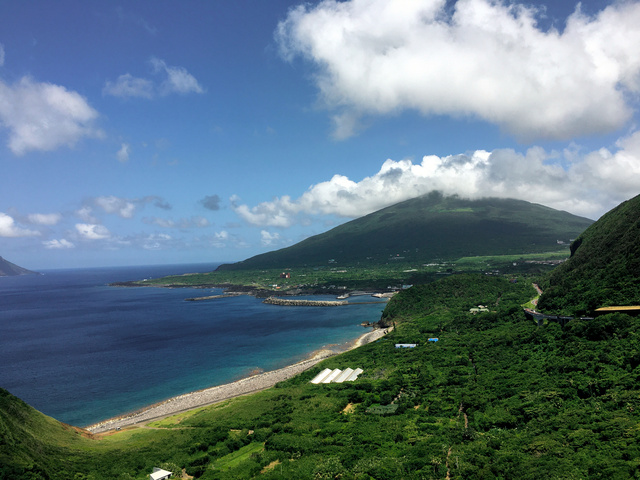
column 304, row 303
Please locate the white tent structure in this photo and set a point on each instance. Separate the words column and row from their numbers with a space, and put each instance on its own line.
column 159, row 474
column 336, row 376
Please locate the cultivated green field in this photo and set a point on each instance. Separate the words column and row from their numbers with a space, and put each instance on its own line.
column 364, row 277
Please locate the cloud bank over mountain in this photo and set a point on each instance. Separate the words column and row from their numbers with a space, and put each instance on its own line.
column 486, row 59
column 585, row 184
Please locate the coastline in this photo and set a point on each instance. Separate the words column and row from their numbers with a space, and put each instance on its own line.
column 220, row 393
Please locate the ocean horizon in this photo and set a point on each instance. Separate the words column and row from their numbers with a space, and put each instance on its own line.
column 82, row 352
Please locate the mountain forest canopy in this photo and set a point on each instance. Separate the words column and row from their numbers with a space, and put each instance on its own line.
column 604, row 266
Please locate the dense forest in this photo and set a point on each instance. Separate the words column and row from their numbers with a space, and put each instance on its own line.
column 604, row 267
column 495, row 397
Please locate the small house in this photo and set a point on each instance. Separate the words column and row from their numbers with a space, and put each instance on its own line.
column 481, row 308
column 159, row 474
column 432, row 339
column 406, row 345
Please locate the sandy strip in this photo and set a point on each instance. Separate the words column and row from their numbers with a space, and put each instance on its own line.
column 208, row 396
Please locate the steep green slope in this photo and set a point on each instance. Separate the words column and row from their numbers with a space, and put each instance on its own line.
column 32, row 445
column 604, row 268
column 431, row 227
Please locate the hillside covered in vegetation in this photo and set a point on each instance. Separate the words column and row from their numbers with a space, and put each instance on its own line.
column 481, row 392
column 430, row 228
column 604, row 267
column 495, row 397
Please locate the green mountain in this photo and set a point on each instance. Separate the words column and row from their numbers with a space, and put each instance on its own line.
column 604, row 267
column 429, row 228
column 8, row 269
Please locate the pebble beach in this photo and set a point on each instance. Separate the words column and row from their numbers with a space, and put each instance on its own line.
column 208, row 396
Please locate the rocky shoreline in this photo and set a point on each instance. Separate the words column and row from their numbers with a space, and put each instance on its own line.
column 245, row 386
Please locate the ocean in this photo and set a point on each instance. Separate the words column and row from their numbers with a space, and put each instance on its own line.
column 81, row 351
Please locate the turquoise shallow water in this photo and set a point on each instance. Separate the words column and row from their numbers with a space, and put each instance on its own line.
column 81, row 351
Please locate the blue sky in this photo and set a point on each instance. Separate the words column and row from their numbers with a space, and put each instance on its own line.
column 153, row 132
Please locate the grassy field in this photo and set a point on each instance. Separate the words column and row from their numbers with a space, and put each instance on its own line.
column 364, row 277
column 492, row 260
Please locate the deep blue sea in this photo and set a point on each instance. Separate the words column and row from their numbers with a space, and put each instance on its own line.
column 81, row 351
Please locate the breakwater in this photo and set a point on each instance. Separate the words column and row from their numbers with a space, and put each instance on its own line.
column 212, row 297
column 304, row 303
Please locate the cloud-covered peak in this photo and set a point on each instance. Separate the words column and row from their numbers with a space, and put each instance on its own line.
column 486, row 59
column 592, row 183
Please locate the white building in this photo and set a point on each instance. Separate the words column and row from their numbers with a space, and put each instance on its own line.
column 159, row 474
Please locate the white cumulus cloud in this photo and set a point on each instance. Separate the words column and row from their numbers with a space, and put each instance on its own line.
column 123, row 207
column 44, row 116
column 172, row 79
column 590, row 184
column 90, row 231
column 85, row 214
column 58, row 244
column 268, row 239
column 157, row 241
column 178, row 79
column 9, row 228
column 44, row 218
column 483, row 58
column 183, row 223
column 220, row 239
column 123, row 153
column 120, row 206
column 129, row 86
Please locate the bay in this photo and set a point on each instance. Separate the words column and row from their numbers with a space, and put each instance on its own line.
column 82, row 351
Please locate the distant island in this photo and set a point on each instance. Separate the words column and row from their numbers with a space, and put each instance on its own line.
column 8, row 269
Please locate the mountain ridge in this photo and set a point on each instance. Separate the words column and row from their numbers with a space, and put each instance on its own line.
column 431, row 227
column 604, row 267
